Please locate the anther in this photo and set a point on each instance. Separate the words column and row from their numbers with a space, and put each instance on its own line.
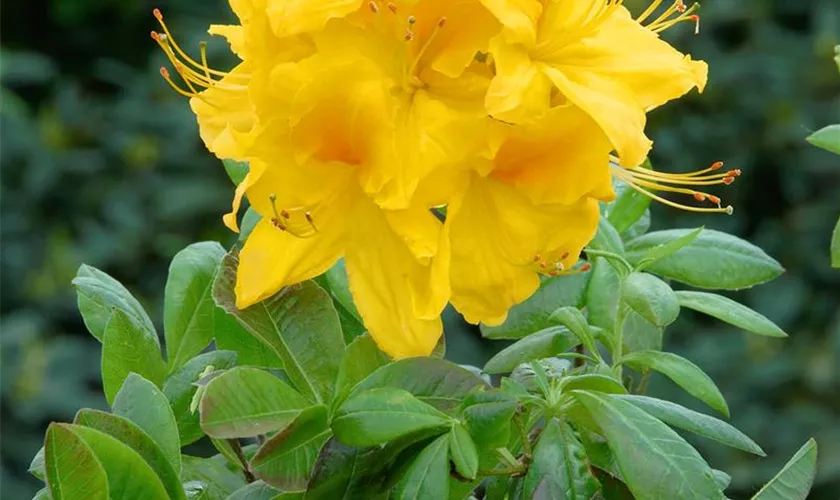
column 585, row 267
column 164, row 72
column 714, row 199
column 728, row 180
column 537, row 258
column 409, row 36
column 158, row 15
column 285, row 214
column 373, row 7
column 441, row 22
column 564, row 256
column 392, row 7
column 699, row 196
column 155, row 36
column 716, row 165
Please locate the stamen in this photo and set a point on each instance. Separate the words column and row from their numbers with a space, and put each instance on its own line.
column 282, row 220
column 553, row 266
column 666, row 19
column 412, row 70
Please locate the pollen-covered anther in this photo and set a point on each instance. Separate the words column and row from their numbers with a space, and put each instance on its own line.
column 392, row 7
column 373, row 7
column 158, row 14
column 441, row 22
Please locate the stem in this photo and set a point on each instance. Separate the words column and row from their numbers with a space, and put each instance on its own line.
column 523, row 433
column 579, row 360
column 643, row 383
column 618, row 331
column 609, row 255
column 246, row 469
column 504, row 471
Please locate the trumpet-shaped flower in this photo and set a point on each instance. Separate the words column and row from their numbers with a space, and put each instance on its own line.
column 593, row 54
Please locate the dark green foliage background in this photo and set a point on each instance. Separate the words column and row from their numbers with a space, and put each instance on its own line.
column 101, row 163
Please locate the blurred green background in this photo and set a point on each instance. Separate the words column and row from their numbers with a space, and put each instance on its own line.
column 101, row 163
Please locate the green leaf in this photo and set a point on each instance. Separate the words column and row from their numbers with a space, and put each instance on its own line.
column 627, row 209
column 533, row 314
column 827, row 138
column 607, row 238
column 463, row 451
column 236, row 170
column 487, row 416
column 835, row 246
column 344, row 472
column 559, row 468
column 300, row 325
column 543, row 344
column 72, row 470
column 655, row 461
column 36, row 467
column 726, row 309
column 667, row 249
column 714, row 260
column 250, row 351
column 698, row 423
column 794, row 481
column 603, row 295
column 210, row 478
column 339, row 289
column 285, row 460
column 43, row 493
column 188, row 307
column 129, row 476
column 246, row 402
column 249, row 222
column 593, row 382
column 722, row 479
column 257, row 490
column 126, row 349
column 138, row 440
column 378, row 415
column 179, row 390
column 427, row 478
column 640, row 334
column 437, row 382
column 683, row 372
column 144, row 404
column 98, row 294
column 361, row 358
column 651, row 298
column 574, row 320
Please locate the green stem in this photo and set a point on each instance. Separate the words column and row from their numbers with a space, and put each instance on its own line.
column 618, row 332
column 609, row 255
column 523, row 434
column 504, row 471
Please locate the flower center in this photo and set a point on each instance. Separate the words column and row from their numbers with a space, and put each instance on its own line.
column 297, row 221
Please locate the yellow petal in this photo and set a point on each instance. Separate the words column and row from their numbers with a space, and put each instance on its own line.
column 520, row 91
column 501, row 240
column 225, row 115
column 272, row 259
column 235, row 36
column 291, row 17
column 559, row 159
column 255, row 170
column 519, row 17
column 616, row 73
column 390, row 286
column 469, row 27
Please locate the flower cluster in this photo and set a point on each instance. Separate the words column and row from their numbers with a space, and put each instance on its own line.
column 366, row 121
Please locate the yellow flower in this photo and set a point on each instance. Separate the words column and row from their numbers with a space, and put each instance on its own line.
column 593, row 54
column 315, row 211
column 527, row 212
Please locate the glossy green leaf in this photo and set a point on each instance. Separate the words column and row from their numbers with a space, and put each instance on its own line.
column 378, row 415
column 463, row 451
column 145, row 405
column 574, row 320
column 129, row 476
column 722, row 479
column 236, row 170
column 362, row 357
column 539, row 345
column 487, row 416
column 440, row 383
column 640, row 334
column 607, row 238
column 698, row 423
column 827, row 138
column 246, row 402
column 714, row 260
column 250, row 351
column 344, row 472
column 98, row 294
column 188, row 307
column 794, row 481
column 257, row 490
column 42, row 494
column 603, row 294
column 36, row 467
column 655, row 461
column 427, row 478
column 339, row 289
column 667, row 249
column 179, row 390
column 683, row 372
column 651, row 298
column 559, row 469
column 726, row 309
column 593, row 382
column 126, row 349
column 533, row 314
column 138, row 440
column 286, row 458
column 629, row 206
column 72, row 470
column 210, row 478
column 300, row 325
